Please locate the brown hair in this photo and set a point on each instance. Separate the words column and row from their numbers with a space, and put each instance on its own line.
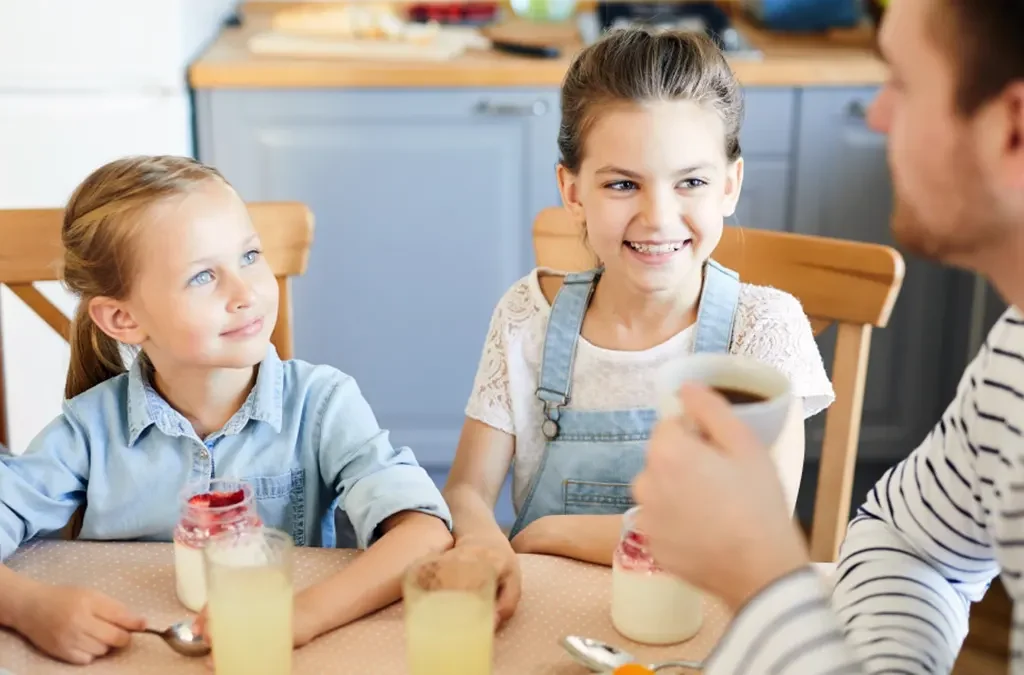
column 983, row 39
column 101, row 222
column 642, row 64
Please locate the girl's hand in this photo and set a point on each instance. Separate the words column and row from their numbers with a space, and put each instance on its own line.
column 499, row 554
column 76, row 625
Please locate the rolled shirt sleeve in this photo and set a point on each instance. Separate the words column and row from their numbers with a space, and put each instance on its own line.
column 373, row 479
column 41, row 489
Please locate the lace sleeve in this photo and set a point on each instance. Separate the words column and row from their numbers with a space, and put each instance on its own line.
column 771, row 326
column 490, row 401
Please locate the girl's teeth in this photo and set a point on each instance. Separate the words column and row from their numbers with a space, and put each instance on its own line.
column 655, row 249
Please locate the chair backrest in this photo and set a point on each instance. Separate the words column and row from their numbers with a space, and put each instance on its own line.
column 851, row 284
column 32, row 252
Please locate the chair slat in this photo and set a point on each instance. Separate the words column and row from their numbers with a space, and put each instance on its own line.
column 44, row 309
column 839, row 447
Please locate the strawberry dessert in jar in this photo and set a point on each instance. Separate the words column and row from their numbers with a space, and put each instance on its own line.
column 208, row 508
column 650, row 605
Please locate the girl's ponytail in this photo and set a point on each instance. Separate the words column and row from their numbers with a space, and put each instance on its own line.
column 95, row 356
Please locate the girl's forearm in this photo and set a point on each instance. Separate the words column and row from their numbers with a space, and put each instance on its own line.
column 14, row 589
column 374, row 579
column 473, row 517
column 588, row 538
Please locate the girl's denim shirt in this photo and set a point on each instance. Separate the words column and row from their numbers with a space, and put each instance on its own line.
column 305, row 438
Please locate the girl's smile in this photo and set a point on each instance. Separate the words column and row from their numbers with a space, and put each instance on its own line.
column 250, row 329
column 656, row 252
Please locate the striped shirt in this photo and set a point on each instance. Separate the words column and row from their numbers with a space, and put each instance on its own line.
column 927, row 542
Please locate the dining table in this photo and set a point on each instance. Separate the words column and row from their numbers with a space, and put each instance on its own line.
column 560, row 597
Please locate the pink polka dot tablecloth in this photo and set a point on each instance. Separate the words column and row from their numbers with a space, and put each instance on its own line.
column 560, row 597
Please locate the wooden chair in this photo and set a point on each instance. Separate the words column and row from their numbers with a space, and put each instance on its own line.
column 852, row 284
column 32, row 251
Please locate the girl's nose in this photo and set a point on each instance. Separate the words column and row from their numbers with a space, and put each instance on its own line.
column 242, row 295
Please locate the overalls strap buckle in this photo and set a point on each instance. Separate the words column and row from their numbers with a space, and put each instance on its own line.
column 563, row 333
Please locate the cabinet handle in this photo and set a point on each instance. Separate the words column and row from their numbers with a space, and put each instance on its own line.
column 535, row 109
column 856, row 110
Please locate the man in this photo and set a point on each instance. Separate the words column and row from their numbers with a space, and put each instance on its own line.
column 939, row 526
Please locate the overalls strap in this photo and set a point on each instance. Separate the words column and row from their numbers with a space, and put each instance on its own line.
column 717, row 311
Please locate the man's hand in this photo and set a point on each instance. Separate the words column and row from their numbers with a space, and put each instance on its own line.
column 76, row 625
column 712, row 504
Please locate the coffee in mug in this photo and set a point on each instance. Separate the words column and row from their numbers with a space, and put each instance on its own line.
column 759, row 394
column 739, row 396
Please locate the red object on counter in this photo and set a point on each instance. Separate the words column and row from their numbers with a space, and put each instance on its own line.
column 454, row 12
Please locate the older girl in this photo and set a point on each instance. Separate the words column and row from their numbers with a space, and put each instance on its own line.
column 650, row 168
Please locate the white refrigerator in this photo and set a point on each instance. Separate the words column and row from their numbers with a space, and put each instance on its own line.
column 81, row 83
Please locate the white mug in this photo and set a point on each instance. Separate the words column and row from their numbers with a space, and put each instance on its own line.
column 765, row 417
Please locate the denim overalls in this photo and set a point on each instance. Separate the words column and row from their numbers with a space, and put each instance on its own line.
column 591, row 457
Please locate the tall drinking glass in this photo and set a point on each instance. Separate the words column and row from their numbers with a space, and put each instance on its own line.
column 449, row 615
column 249, row 601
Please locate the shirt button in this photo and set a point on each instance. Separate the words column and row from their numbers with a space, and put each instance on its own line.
column 204, row 453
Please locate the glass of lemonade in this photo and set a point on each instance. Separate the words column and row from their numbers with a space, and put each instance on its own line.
column 449, row 615
column 249, row 601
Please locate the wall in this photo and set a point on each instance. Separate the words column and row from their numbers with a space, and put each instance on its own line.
column 80, row 86
column 35, row 361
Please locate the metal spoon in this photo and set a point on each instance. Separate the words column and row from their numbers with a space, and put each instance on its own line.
column 181, row 639
column 601, row 657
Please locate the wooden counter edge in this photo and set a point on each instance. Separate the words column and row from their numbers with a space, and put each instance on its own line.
column 302, row 74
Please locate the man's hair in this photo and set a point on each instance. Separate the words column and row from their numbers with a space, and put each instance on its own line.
column 983, row 39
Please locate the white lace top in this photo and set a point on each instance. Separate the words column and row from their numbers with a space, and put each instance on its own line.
column 770, row 326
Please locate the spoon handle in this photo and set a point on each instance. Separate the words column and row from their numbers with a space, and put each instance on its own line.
column 154, row 631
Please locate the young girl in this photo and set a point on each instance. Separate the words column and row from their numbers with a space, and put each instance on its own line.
column 165, row 259
column 650, row 167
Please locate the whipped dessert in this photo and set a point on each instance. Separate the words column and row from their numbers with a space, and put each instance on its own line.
column 205, row 515
column 650, row 605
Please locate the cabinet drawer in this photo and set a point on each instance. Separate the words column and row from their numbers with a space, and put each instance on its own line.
column 768, row 121
column 405, row 105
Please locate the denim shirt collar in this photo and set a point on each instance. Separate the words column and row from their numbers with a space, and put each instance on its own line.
column 146, row 407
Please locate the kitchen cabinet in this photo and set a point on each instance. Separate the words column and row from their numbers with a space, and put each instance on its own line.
column 765, row 199
column 842, row 189
column 766, row 141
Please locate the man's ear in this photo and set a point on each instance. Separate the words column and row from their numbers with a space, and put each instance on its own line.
column 1010, row 142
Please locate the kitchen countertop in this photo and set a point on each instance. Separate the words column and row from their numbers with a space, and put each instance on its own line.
column 838, row 58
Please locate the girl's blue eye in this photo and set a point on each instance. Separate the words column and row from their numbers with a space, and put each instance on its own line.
column 622, row 185
column 201, row 279
column 251, row 256
column 693, row 183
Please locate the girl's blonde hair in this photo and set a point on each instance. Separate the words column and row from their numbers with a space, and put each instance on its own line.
column 101, row 224
column 642, row 64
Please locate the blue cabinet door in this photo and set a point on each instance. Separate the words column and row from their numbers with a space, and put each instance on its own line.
column 767, row 141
